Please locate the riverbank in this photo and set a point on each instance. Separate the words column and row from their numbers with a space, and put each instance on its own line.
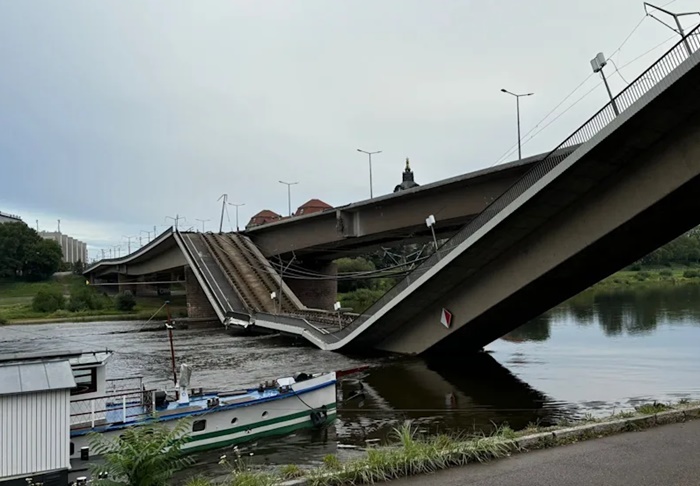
column 637, row 276
column 16, row 299
column 662, row 456
column 412, row 454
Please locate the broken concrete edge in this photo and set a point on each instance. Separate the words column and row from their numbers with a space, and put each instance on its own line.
column 566, row 435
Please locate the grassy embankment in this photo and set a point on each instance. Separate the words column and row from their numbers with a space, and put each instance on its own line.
column 648, row 276
column 410, row 453
column 16, row 304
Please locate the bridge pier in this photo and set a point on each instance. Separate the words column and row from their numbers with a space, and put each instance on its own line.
column 197, row 303
column 124, row 285
column 314, row 292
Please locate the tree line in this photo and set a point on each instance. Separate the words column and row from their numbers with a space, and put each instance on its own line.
column 24, row 255
column 683, row 250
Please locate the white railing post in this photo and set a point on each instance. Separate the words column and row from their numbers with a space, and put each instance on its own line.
column 153, row 403
column 123, row 408
column 92, row 413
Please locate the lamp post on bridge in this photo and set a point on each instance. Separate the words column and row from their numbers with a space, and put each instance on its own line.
column 517, row 108
column 598, row 63
column 128, row 242
column 237, row 206
column 369, row 154
column 202, row 221
column 289, row 194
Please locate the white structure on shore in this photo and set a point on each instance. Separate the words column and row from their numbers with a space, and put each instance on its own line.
column 73, row 250
column 35, row 418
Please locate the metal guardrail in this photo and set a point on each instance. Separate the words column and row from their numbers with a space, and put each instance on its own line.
column 679, row 53
column 113, row 408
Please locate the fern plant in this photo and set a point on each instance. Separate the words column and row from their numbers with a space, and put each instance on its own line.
column 146, row 455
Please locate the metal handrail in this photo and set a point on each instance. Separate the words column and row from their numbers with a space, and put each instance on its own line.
column 679, row 53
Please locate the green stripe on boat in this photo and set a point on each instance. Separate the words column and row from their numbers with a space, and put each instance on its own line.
column 248, row 437
column 263, row 423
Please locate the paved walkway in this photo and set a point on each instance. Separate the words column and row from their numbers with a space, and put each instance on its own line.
column 668, row 455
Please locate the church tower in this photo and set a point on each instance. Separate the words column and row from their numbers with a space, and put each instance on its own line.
column 407, row 181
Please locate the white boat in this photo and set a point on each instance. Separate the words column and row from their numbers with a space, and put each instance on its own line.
column 218, row 419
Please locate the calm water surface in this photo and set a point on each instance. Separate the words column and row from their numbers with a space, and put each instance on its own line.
column 599, row 352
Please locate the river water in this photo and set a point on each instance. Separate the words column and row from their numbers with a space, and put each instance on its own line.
column 599, row 352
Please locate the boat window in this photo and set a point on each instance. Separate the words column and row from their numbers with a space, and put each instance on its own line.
column 264, row 414
column 234, row 420
column 199, row 425
column 85, row 381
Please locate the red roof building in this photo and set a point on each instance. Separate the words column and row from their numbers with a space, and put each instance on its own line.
column 263, row 217
column 312, row 206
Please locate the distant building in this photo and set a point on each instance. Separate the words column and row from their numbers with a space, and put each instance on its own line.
column 73, row 250
column 9, row 218
column 407, row 182
column 263, row 217
column 312, row 206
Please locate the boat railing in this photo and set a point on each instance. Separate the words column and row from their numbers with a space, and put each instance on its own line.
column 121, row 385
column 124, row 407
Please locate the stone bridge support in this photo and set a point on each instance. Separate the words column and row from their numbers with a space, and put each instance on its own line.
column 197, row 303
column 313, row 291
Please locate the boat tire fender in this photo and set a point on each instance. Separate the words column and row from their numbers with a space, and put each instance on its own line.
column 319, row 416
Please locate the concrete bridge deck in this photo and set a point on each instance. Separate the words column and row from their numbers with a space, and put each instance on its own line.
column 598, row 202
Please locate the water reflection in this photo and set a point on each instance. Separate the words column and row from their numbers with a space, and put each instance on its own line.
column 466, row 394
column 636, row 311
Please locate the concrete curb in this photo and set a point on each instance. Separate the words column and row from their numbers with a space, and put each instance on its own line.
column 583, row 432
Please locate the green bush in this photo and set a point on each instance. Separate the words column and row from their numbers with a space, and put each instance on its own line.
column 3, row 321
column 666, row 273
column 84, row 298
column 48, row 300
column 147, row 455
column 636, row 268
column 124, row 301
column 691, row 274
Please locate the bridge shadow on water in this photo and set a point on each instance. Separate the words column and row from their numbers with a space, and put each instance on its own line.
column 465, row 395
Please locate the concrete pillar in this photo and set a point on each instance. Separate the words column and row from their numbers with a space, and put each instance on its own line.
column 317, row 294
column 197, row 303
column 124, row 284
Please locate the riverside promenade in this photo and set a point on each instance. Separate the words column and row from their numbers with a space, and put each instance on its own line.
column 666, row 455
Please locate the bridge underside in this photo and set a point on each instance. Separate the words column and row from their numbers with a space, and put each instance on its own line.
column 389, row 220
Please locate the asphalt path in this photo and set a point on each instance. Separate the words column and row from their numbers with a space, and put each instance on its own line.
column 667, row 455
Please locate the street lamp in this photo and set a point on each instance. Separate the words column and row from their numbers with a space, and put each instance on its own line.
column 289, row 194
column 176, row 219
column 517, row 105
column 202, row 221
column 128, row 239
column 370, row 167
column 598, row 63
column 237, row 206
column 430, row 223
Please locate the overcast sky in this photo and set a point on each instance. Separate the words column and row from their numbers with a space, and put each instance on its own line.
column 116, row 114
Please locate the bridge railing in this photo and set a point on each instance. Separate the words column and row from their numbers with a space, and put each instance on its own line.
column 673, row 58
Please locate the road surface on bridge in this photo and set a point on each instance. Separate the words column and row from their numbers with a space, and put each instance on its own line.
column 665, row 456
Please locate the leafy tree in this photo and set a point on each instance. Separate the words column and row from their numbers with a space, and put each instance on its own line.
column 48, row 300
column 78, row 267
column 124, row 301
column 146, row 455
column 83, row 297
column 25, row 254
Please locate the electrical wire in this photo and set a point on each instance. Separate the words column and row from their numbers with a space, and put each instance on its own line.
column 527, row 137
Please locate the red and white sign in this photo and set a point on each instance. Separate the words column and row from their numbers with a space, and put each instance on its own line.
column 446, row 318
